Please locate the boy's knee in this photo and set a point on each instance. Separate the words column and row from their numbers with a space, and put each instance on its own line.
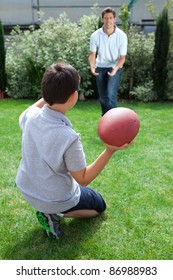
column 102, row 207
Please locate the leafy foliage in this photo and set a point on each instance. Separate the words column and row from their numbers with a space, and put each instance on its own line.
column 32, row 51
column 144, row 92
column 2, row 60
column 124, row 15
column 161, row 48
column 137, row 68
column 169, row 82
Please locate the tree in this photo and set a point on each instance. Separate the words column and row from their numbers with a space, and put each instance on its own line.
column 161, row 48
column 152, row 9
column 2, row 61
column 124, row 15
column 169, row 81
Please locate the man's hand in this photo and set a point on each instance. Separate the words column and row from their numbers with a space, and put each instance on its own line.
column 114, row 71
column 93, row 71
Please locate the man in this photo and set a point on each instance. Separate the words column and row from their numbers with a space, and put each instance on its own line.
column 108, row 49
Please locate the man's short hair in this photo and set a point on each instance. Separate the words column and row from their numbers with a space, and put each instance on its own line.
column 108, row 10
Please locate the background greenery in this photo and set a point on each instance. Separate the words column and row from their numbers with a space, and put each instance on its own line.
column 30, row 52
column 147, row 73
column 161, row 49
column 137, row 185
column 2, row 61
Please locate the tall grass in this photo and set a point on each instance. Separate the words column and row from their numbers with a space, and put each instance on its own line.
column 137, row 185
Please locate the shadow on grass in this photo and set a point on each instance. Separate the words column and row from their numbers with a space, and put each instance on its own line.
column 35, row 245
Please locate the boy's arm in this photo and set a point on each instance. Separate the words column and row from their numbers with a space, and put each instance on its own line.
column 85, row 176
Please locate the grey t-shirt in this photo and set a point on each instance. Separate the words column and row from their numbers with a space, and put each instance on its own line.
column 50, row 149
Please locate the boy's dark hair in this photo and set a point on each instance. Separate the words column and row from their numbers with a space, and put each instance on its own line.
column 108, row 10
column 59, row 81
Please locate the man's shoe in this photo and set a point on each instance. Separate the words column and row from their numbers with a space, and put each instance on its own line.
column 50, row 224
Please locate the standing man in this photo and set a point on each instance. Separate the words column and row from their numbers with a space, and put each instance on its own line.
column 108, row 49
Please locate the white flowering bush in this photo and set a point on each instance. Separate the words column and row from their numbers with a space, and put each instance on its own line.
column 32, row 51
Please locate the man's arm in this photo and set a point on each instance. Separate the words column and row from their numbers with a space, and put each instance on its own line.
column 120, row 63
column 92, row 63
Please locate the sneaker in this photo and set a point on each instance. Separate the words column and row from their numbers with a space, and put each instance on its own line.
column 50, row 224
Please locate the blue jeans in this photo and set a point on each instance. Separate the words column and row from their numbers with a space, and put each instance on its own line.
column 107, row 87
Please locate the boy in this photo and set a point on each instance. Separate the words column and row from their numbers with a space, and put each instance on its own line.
column 53, row 175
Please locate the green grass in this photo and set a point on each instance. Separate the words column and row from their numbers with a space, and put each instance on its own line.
column 137, row 185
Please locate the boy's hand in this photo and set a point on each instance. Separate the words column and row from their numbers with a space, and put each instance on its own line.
column 114, row 148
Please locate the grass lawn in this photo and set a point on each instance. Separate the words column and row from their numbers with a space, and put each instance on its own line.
column 137, row 185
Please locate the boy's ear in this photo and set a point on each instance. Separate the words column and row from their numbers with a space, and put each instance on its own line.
column 71, row 97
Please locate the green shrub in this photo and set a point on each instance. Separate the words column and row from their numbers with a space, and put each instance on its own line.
column 32, row 51
column 161, row 48
column 2, row 61
column 124, row 15
column 169, row 82
column 137, row 68
column 144, row 92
